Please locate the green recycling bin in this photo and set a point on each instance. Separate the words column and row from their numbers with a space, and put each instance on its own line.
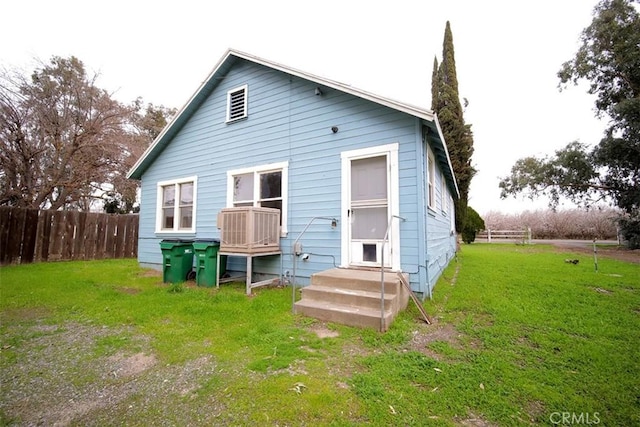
column 206, row 253
column 177, row 260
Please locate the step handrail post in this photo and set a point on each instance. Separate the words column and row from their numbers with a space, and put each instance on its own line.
column 384, row 241
column 334, row 223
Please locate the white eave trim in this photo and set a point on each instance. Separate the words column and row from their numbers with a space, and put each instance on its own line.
column 446, row 151
column 391, row 103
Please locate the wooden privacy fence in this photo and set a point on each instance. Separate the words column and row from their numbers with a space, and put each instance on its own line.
column 31, row 235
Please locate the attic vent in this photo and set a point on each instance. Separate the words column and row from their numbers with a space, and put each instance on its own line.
column 237, row 103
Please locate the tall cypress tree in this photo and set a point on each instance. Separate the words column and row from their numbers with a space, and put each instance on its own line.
column 458, row 136
column 435, row 85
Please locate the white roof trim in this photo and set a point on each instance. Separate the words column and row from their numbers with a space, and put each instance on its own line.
column 388, row 102
column 446, row 151
column 397, row 105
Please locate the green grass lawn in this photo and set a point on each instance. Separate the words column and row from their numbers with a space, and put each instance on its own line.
column 520, row 337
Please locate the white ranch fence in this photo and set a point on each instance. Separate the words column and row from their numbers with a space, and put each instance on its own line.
column 522, row 235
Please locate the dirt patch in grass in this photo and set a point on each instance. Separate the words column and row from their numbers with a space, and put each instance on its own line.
column 427, row 334
column 322, row 331
column 92, row 375
column 24, row 314
column 127, row 366
column 614, row 252
column 474, row 421
column 534, row 409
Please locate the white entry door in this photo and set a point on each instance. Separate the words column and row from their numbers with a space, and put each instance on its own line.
column 369, row 210
column 370, row 197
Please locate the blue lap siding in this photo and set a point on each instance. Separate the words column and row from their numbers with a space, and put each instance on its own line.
column 288, row 122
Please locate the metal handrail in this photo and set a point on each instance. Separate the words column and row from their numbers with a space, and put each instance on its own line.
column 384, row 241
column 334, row 223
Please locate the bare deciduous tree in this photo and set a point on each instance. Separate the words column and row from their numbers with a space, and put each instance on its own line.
column 64, row 141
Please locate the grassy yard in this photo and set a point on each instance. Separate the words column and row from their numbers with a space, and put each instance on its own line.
column 520, row 337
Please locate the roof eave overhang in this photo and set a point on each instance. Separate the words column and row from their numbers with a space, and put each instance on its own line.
column 221, row 68
column 178, row 120
column 443, row 154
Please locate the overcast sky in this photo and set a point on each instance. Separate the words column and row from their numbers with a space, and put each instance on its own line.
column 507, row 56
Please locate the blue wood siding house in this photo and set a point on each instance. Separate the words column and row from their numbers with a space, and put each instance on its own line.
column 258, row 133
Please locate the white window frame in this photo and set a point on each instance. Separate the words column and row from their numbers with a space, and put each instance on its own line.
column 244, row 88
column 443, row 195
column 431, row 178
column 282, row 167
column 176, row 213
column 452, row 214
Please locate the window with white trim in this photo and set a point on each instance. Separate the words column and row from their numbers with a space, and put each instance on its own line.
column 431, row 180
column 176, row 205
column 443, row 195
column 263, row 186
column 452, row 214
column 237, row 103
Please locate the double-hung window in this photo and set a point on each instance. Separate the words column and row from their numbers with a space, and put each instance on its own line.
column 444, row 200
column 431, row 180
column 263, row 186
column 176, row 205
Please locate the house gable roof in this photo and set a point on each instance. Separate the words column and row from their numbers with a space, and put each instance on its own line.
column 229, row 59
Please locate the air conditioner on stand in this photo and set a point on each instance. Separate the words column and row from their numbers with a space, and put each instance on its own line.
column 249, row 230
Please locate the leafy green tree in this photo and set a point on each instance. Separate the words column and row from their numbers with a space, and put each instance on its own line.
column 473, row 223
column 608, row 58
column 445, row 101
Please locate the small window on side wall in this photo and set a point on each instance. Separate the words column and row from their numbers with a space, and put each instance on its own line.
column 176, row 206
column 444, row 200
column 431, row 181
column 237, row 103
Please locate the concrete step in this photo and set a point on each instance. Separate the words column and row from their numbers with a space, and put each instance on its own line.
column 350, row 297
column 357, row 280
column 343, row 314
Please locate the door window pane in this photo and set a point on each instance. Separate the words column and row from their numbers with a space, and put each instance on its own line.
column 369, row 179
column 369, row 223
